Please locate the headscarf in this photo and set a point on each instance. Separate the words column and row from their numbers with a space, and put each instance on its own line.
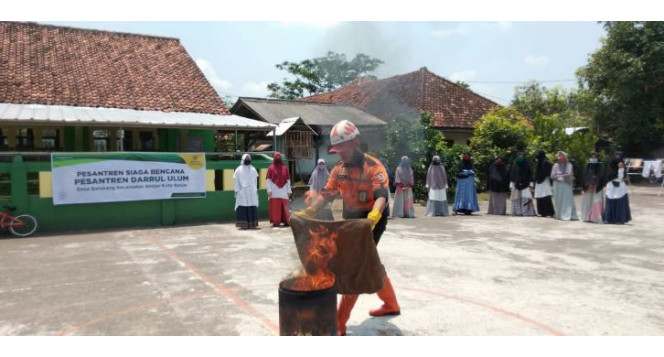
column 319, row 176
column 544, row 167
column 594, row 174
column 436, row 176
column 278, row 172
column 466, row 163
column 404, row 173
column 520, row 173
column 562, row 167
column 244, row 172
column 498, row 178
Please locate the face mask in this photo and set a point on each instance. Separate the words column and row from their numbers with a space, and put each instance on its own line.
column 436, row 162
column 520, row 160
column 593, row 160
column 246, row 162
column 276, row 161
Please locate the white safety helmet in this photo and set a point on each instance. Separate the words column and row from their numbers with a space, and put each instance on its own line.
column 342, row 132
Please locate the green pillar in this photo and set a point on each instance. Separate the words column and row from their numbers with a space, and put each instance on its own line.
column 19, row 181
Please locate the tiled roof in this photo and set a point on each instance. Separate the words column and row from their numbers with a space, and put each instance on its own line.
column 452, row 106
column 43, row 64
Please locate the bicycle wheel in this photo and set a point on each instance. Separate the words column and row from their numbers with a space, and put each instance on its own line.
column 23, row 225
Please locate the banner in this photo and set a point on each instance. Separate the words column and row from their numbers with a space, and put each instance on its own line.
column 126, row 176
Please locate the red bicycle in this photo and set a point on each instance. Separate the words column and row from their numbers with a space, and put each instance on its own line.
column 19, row 226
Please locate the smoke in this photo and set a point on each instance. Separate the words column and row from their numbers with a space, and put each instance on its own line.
column 381, row 40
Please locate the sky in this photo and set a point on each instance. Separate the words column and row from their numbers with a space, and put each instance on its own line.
column 239, row 57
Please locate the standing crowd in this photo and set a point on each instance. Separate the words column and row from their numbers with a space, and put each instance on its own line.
column 546, row 191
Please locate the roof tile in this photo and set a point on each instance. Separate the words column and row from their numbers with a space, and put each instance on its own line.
column 54, row 65
column 451, row 105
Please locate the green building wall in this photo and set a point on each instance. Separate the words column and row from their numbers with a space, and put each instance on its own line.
column 216, row 207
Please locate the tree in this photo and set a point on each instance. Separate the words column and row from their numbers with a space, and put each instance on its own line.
column 420, row 142
column 462, row 84
column 501, row 132
column 321, row 74
column 626, row 77
column 531, row 99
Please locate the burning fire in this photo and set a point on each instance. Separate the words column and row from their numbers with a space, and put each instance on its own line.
column 320, row 250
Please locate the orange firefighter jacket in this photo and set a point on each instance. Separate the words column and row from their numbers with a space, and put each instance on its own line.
column 360, row 182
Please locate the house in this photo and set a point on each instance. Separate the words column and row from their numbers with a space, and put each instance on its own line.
column 69, row 89
column 76, row 90
column 455, row 109
column 306, row 128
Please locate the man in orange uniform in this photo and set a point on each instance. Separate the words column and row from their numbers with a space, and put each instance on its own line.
column 362, row 182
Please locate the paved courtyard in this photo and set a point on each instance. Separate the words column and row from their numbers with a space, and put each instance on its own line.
column 454, row 276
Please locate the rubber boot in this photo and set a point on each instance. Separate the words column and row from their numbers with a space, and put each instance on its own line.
column 343, row 312
column 390, row 305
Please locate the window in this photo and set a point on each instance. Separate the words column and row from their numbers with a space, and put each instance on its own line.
column 127, row 141
column 4, row 141
column 101, row 140
column 146, row 140
column 50, row 139
column 25, row 139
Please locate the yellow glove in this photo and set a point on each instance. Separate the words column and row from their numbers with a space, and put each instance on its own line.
column 308, row 212
column 375, row 216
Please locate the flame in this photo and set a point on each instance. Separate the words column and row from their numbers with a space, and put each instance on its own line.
column 321, row 249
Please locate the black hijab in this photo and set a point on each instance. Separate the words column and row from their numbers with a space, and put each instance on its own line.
column 613, row 168
column 498, row 178
column 520, row 174
column 543, row 169
column 594, row 174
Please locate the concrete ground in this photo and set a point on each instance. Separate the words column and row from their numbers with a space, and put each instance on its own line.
column 474, row 275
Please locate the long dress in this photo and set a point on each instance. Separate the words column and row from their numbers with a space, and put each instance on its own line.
column 279, row 189
column 465, row 196
column 563, row 195
column 403, row 197
column 317, row 182
column 543, row 190
column 592, row 198
column 498, row 184
column 437, row 185
column 245, row 178
column 520, row 183
column 617, row 201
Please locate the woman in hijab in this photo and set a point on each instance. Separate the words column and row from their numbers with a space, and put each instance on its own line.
column 543, row 191
column 278, row 192
column 617, row 202
column 562, row 176
column 592, row 200
column 246, row 194
column 403, row 197
column 317, row 182
column 521, row 182
column 465, row 196
column 498, row 185
column 437, row 185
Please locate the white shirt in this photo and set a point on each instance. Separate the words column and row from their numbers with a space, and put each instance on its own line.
column 276, row 192
column 246, row 186
column 613, row 192
column 543, row 189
